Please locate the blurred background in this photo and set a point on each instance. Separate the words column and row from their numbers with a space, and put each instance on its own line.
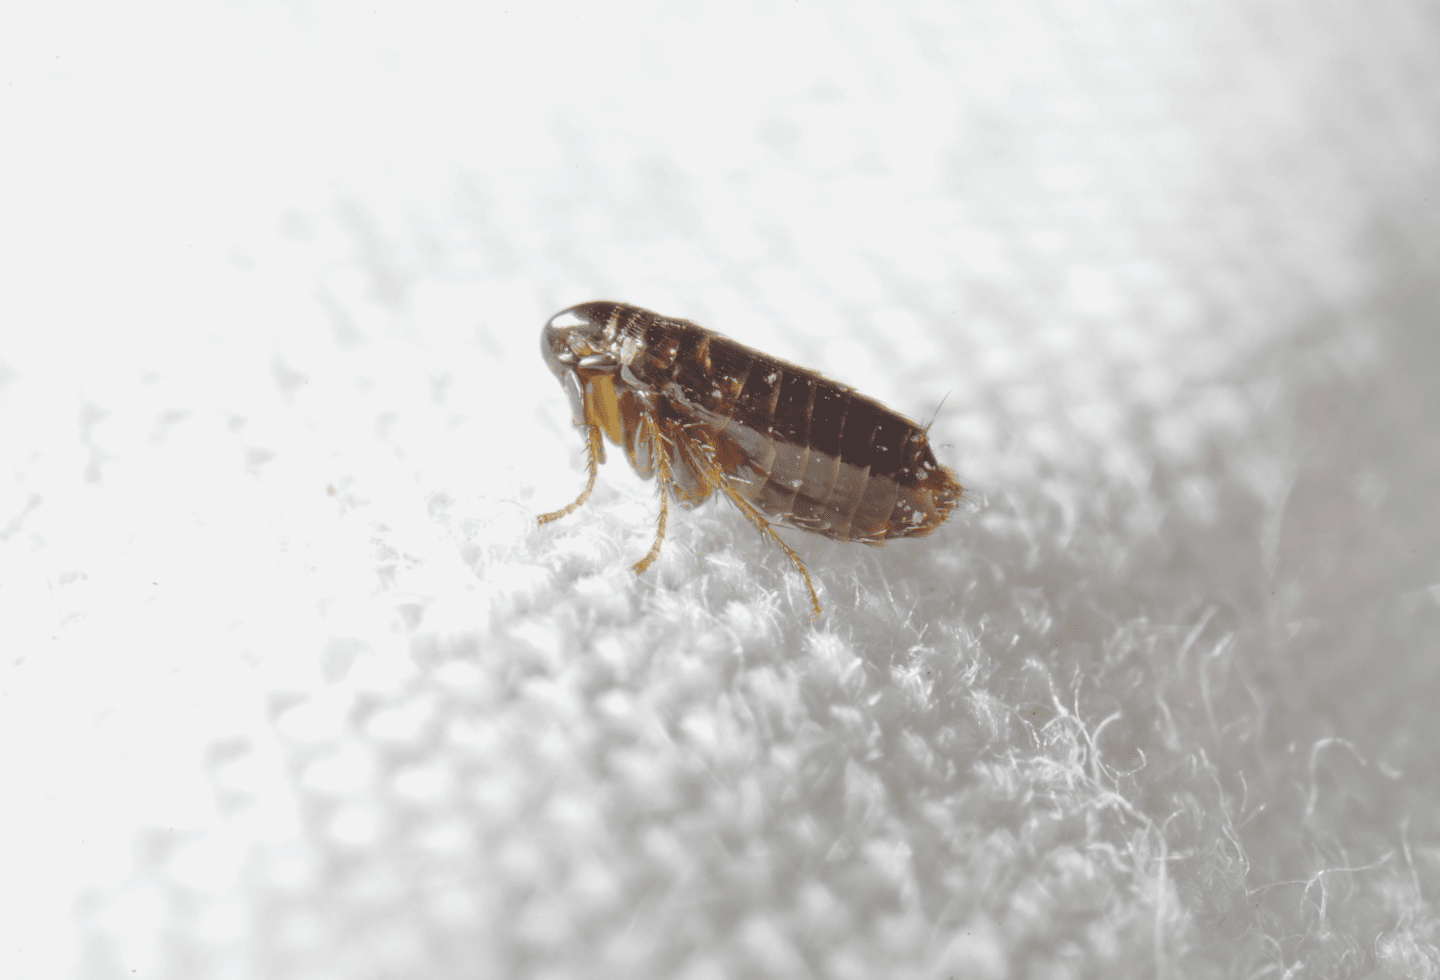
column 292, row 686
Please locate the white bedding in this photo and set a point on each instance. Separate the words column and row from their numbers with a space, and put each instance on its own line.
column 294, row 687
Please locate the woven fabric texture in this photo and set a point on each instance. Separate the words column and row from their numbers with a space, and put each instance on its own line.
column 295, row 687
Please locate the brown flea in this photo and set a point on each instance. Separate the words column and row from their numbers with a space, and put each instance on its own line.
column 703, row 413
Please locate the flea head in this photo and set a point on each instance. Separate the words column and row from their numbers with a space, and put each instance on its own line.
column 577, row 345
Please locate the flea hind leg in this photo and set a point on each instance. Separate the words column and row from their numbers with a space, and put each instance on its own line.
column 593, row 465
column 702, row 461
column 763, row 526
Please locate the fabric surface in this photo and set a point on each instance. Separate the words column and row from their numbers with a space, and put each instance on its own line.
column 294, row 686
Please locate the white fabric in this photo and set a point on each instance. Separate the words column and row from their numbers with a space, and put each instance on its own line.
column 294, row 687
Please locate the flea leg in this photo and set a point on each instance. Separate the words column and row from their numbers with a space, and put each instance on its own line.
column 763, row 526
column 648, row 429
column 702, row 461
column 593, row 465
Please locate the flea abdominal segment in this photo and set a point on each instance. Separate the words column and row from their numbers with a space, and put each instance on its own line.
column 703, row 414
